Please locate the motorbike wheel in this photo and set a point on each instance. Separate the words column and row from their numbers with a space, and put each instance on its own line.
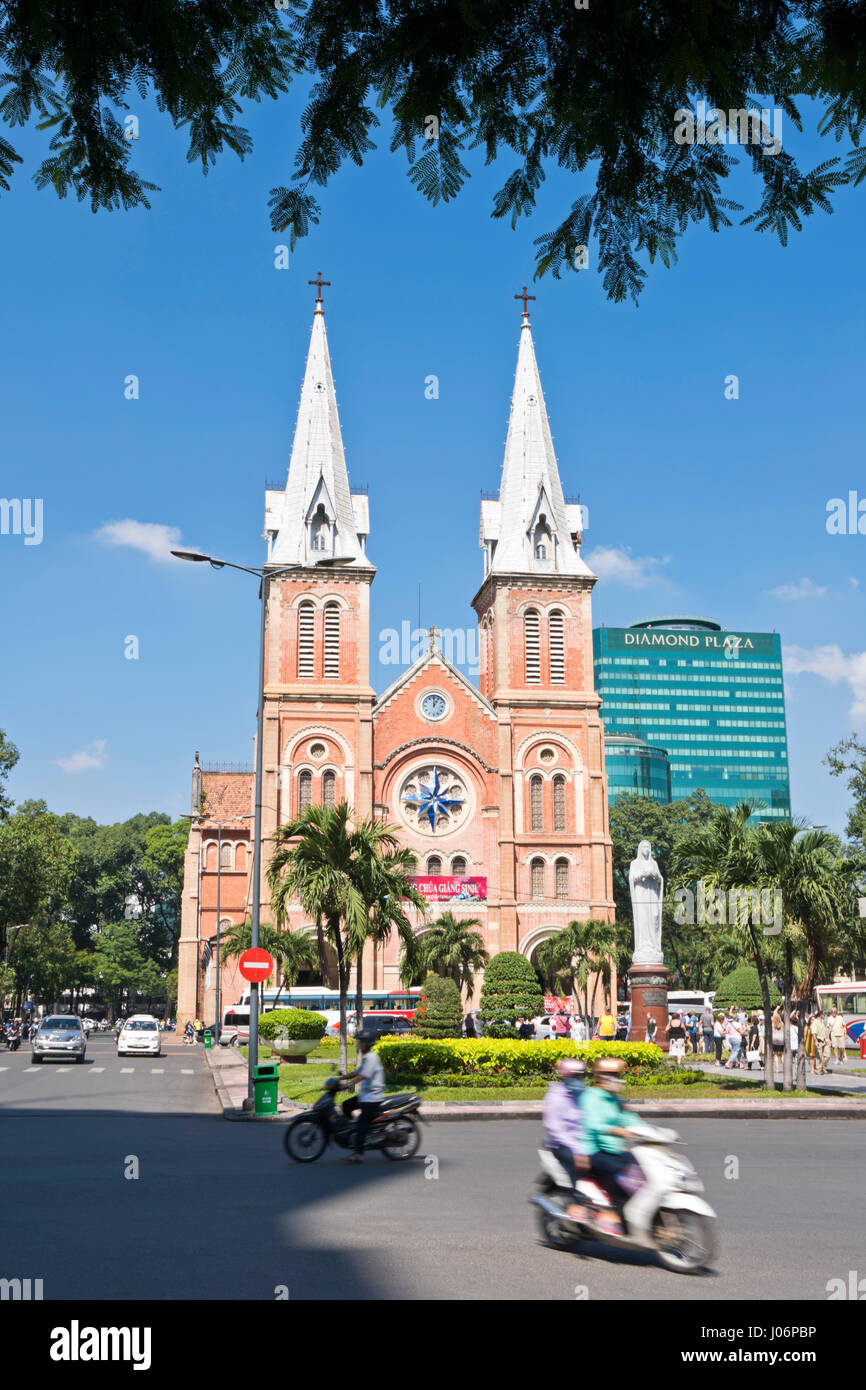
column 684, row 1240
column 305, row 1141
column 555, row 1233
column 402, row 1140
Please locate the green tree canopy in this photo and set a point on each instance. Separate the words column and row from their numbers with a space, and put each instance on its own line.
column 8, row 758
column 37, row 864
column 590, row 91
column 510, row 991
column 443, row 1010
column 742, row 990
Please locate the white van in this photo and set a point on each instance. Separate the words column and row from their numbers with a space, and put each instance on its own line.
column 235, row 1025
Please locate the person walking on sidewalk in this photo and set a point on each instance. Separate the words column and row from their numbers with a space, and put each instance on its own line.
column 837, row 1032
column 821, row 1040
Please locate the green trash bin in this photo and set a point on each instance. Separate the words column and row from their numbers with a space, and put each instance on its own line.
column 265, row 1079
column 208, row 1037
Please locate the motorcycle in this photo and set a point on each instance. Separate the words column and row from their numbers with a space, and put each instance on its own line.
column 665, row 1215
column 11, row 1039
column 395, row 1130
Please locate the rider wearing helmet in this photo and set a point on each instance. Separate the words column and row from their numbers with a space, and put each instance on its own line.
column 607, row 1126
column 563, row 1122
column 371, row 1092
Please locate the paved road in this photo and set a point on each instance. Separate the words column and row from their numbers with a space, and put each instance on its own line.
column 219, row 1211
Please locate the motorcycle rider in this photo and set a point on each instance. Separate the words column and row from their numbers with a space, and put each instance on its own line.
column 563, row 1123
column 371, row 1092
column 607, row 1127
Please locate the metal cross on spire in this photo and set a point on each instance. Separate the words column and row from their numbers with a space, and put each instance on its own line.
column 525, row 297
column 433, row 635
column 319, row 282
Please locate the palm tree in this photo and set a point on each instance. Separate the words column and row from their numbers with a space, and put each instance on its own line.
column 815, row 886
column 292, row 951
column 453, row 949
column 341, row 875
column 583, row 951
column 383, row 872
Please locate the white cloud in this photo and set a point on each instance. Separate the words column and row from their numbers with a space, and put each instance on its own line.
column 855, row 583
column 619, row 566
column 150, row 537
column 94, row 755
column 833, row 666
column 805, row 589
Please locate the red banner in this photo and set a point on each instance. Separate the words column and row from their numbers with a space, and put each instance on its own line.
column 555, row 1004
column 456, row 888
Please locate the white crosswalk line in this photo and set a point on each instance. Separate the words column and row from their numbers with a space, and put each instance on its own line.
column 4, row 1068
column 97, row 1069
column 157, row 1071
column 188, row 1071
column 126, row 1070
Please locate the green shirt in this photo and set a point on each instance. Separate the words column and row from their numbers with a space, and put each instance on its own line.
column 601, row 1109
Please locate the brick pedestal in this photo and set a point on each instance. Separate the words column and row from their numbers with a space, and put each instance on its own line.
column 649, row 995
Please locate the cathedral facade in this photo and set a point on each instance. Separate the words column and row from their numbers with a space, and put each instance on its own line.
column 498, row 789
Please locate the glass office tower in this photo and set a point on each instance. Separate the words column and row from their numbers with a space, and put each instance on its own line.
column 713, row 699
column 633, row 765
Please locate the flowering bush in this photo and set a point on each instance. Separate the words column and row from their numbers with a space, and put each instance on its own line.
column 509, row 1056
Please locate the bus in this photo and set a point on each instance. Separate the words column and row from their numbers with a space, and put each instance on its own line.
column 849, row 997
column 689, row 1001
column 400, row 1002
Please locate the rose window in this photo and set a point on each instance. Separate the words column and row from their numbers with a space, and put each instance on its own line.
column 434, row 799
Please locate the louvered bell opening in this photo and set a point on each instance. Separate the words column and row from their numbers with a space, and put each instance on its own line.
column 533, row 648
column 306, row 641
column 556, row 629
column 332, row 642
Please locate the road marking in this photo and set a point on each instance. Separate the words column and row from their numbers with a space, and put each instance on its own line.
column 4, row 1068
column 126, row 1069
column 185, row 1071
column 97, row 1068
column 157, row 1071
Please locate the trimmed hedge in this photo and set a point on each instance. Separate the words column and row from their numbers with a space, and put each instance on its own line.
column 441, row 1015
column 511, row 1056
column 510, row 991
column 742, row 989
column 494, row 1081
column 292, row 1023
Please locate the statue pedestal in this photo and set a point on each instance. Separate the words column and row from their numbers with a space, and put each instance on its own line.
column 649, row 995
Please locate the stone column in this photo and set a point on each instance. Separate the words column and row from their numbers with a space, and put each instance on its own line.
column 649, row 995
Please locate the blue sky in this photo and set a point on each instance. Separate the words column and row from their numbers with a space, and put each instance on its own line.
column 697, row 504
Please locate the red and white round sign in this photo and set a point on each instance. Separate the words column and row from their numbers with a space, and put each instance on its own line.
column 255, row 965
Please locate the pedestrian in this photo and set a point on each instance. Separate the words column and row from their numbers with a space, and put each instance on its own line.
column 578, row 1029
column 651, row 1029
column 707, row 1030
column 560, row 1026
column 778, row 1041
column 821, row 1041
column 525, row 1030
column 621, row 1027
column 719, row 1037
column 469, row 1025
column 677, row 1039
column 809, row 1045
column 189, row 1034
column 837, row 1034
column 734, row 1039
column 606, row 1029
column 753, row 1042
column 693, row 1031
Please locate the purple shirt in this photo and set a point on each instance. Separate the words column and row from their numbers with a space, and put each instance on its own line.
column 562, row 1119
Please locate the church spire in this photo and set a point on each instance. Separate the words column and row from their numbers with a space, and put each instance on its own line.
column 317, row 518
column 530, row 528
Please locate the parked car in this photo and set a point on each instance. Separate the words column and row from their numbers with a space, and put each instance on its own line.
column 59, row 1035
column 544, row 1027
column 381, row 1025
column 139, row 1035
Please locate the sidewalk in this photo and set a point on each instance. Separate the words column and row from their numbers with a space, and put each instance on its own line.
column 230, row 1079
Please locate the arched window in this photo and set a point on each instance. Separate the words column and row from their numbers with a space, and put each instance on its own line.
column 559, row 802
column 562, row 878
column 542, row 539
column 240, row 857
column 320, row 528
column 536, row 803
column 412, row 865
column 532, row 646
column 556, row 639
column 434, row 866
column 225, row 855
column 332, row 641
column 210, row 857
column 305, row 790
column 329, row 788
column 458, row 866
column 306, row 640
column 537, row 870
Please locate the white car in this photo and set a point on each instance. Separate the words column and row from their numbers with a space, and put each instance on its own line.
column 139, row 1035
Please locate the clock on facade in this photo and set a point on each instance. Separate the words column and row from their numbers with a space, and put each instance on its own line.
column 434, row 706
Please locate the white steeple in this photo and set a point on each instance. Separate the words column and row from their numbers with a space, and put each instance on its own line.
column 316, row 517
column 530, row 529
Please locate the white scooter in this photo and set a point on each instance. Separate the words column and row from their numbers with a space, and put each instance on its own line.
column 665, row 1215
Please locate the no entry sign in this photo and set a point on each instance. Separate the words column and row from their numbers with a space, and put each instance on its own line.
column 255, row 965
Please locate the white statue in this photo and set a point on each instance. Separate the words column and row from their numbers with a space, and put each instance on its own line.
column 646, row 886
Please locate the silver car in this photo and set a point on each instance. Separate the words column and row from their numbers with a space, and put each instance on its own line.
column 59, row 1035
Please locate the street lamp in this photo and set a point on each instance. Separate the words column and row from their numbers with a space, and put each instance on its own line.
column 264, row 577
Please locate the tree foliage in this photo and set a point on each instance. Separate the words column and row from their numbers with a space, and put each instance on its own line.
column 592, row 92
column 510, row 991
column 442, row 1014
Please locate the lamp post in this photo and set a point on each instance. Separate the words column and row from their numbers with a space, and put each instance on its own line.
column 264, row 577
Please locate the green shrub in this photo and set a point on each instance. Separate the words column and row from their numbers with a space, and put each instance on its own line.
column 443, row 1012
column 742, row 990
column 510, row 991
column 292, row 1023
column 502, row 1056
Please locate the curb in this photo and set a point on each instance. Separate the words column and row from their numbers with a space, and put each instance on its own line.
column 457, row 1111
